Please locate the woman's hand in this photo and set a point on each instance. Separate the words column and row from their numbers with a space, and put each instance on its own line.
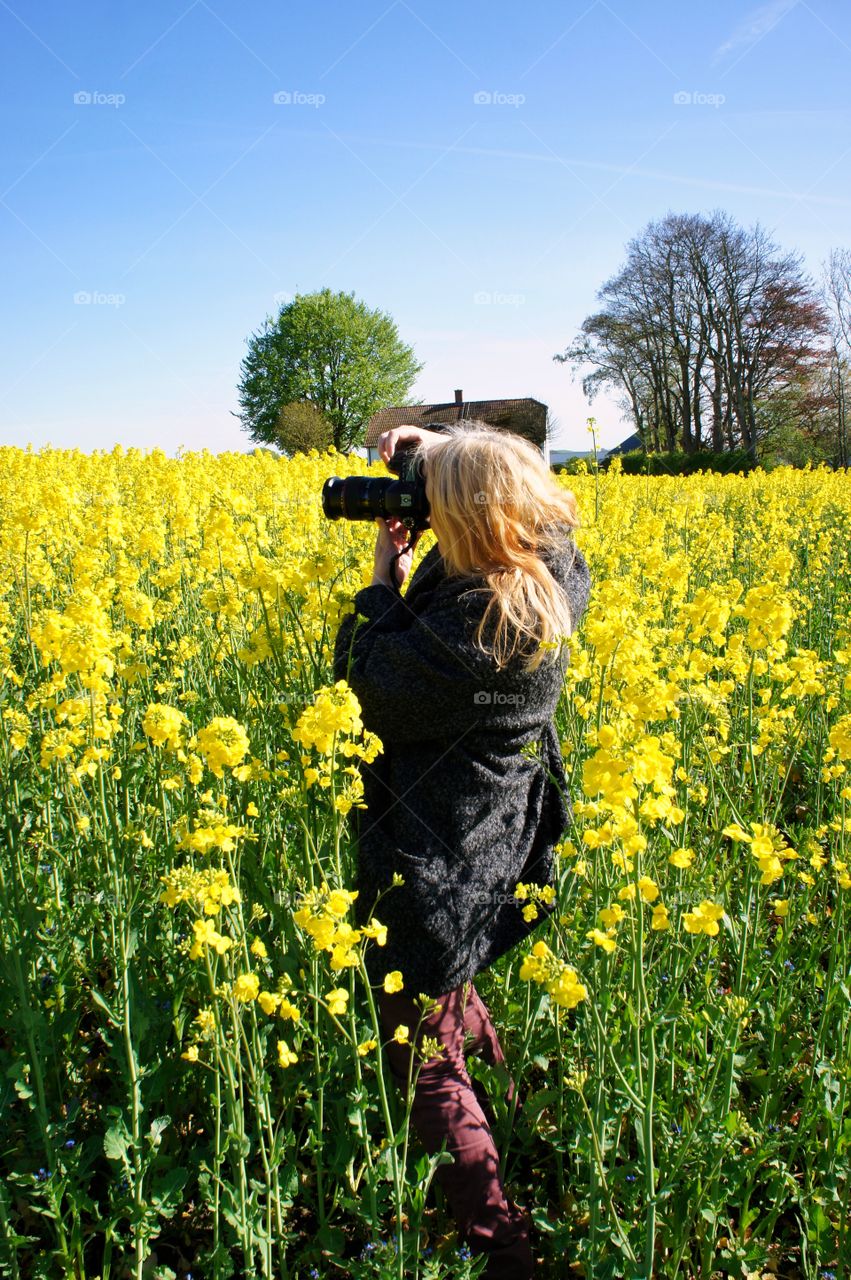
column 392, row 536
column 405, row 434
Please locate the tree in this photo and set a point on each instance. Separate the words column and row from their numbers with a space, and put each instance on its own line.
column 705, row 322
column 836, row 291
column 331, row 350
column 302, row 427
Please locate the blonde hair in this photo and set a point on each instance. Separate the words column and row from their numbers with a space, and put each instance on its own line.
column 499, row 507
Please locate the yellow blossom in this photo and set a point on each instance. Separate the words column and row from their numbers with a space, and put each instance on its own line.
column 246, row 987
column 337, row 1001
column 286, row 1057
column 704, row 918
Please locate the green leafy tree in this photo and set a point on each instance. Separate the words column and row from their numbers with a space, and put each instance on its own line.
column 301, row 427
column 329, row 349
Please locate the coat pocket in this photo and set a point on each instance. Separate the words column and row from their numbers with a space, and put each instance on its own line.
column 426, row 907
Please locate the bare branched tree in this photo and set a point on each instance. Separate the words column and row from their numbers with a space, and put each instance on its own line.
column 701, row 331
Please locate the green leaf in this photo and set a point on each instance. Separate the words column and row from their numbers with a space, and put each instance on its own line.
column 165, row 1191
column 117, row 1142
column 101, row 1002
column 355, row 1119
column 157, row 1128
column 542, row 1221
column 732, row 1122
column 332, row 1238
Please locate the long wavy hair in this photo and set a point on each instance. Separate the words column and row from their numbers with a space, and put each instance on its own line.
column 500, row 509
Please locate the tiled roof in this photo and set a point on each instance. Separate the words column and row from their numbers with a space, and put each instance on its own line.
column 527, row 417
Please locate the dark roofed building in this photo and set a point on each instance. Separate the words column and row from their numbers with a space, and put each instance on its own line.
column 626, row 446
column 526, row 417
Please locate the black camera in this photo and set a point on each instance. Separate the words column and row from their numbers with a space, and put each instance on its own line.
column 365, row 497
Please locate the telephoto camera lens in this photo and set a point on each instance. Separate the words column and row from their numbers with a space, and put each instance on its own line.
column 366, row 497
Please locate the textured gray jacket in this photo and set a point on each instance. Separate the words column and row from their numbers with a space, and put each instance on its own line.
column 452, row 804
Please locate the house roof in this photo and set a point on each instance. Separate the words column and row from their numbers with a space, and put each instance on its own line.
column 515, row 415
column 627, row 445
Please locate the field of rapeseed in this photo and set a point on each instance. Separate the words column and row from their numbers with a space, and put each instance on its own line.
column 190, row 1058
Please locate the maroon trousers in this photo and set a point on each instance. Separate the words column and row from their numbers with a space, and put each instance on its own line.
column 448, row 1105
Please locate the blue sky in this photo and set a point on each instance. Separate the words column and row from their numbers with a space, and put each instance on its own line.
column 474, row 169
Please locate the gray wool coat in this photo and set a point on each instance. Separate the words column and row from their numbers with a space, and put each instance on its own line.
column 451, row 803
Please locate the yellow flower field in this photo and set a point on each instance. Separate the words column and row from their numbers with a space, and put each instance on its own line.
column 193, row 1079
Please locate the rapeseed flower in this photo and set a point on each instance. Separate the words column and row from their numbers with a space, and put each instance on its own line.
column 338, row 1000
column 703, row 918
column 222, row 743
column 246, row 987
column 286, row 1056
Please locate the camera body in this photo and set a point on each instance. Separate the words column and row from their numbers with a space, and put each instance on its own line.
column 366, row 497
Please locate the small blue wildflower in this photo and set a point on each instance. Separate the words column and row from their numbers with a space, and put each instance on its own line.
column 676, row 1128
column 828, row 1275
column 465, row 1252
column 788, row 964
column 71, row 1143
column 630, row 1177
column 43, row 1175
column 427, row 1251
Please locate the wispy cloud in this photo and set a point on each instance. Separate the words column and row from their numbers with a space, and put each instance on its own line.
column 753, row 27
column 705, row 183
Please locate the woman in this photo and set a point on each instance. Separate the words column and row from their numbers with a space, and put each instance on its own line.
column 453, row 679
